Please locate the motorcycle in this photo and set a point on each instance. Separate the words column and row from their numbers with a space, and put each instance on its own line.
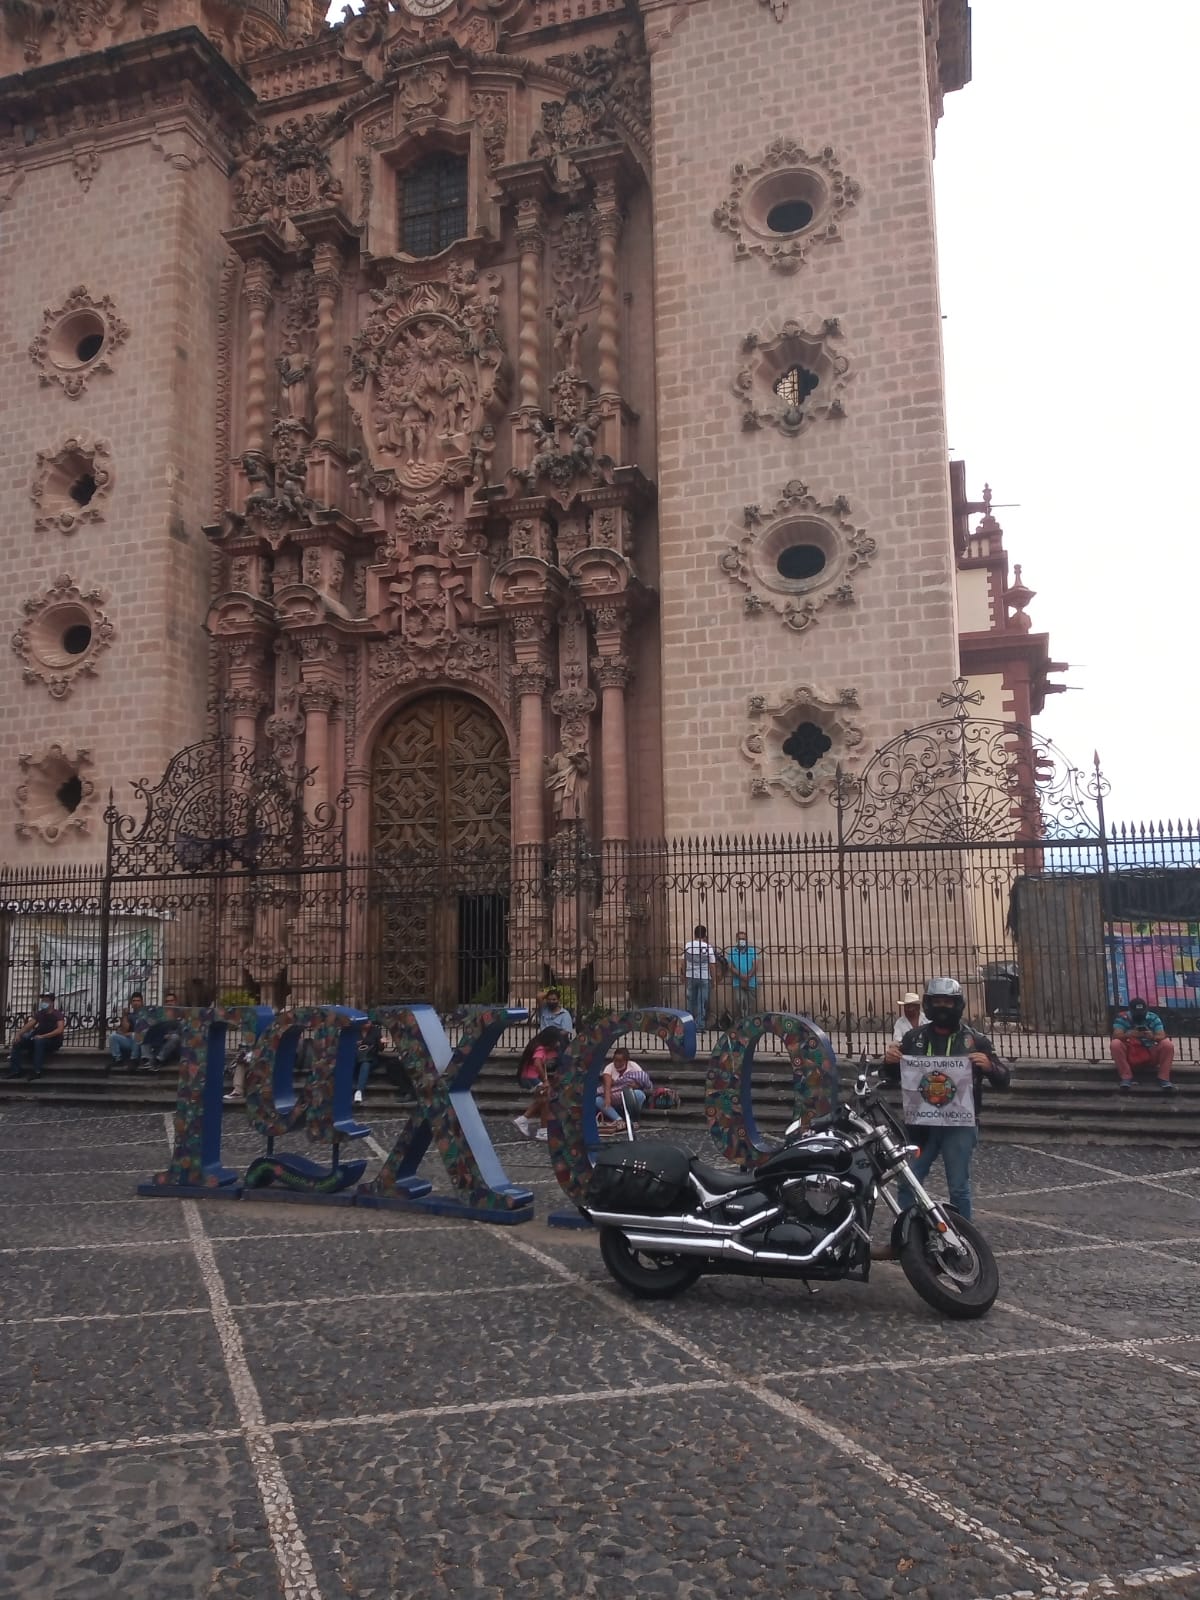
column 805, row 1212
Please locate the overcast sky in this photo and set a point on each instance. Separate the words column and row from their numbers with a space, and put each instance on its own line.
column 1067, row 199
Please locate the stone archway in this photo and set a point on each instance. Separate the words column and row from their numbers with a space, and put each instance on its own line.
column 440, row 847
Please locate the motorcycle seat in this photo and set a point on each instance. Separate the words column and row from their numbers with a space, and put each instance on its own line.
column 717, row 1182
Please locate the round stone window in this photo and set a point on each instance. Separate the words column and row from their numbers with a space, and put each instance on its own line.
column 798, row 555
column 787, row 202
column 78, row 339
column 61, row 635
column 797, row 562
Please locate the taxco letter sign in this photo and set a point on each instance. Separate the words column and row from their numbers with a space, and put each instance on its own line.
column 289, row 1090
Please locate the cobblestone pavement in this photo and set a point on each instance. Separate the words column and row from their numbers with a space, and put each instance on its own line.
column 260, row 1399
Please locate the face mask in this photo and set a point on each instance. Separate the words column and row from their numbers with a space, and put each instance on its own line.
column 43, row 1005
column 742, row 943
column 1138, row 1013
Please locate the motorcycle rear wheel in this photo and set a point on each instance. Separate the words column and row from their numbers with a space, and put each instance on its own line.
column 646, row 1274
column 959, row 1287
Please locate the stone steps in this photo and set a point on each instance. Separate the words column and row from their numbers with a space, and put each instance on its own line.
column 1049, row 1100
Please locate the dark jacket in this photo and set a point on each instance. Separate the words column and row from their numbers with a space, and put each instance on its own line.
column 925, row 1041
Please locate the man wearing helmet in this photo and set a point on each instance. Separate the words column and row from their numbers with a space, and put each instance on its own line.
column 945, row 1035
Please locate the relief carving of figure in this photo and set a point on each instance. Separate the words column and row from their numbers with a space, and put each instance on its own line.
column 566, row 771
column 294, row 367
column 569, row 330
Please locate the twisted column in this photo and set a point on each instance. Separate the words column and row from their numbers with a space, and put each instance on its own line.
column 530, row 241
column 608, row 349
column 256, row 288
column 328, row 281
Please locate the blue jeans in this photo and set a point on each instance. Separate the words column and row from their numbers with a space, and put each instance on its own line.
column 956, row 1147
column 745, row 998
column 636, row 1099
column 362, row 1073
column 123, row 1048
column 697, row 999
column 37, row 1049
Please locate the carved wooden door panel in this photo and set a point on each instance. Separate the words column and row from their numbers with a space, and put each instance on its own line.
column 440, row 834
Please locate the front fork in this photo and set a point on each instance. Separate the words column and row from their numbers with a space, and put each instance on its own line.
column 944, row 1235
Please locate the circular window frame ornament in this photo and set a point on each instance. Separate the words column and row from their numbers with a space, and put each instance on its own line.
column 57, row 474
column 797, row 518
column 50, row 619
column 55, row 350
column 40, row 812
column 786, row 173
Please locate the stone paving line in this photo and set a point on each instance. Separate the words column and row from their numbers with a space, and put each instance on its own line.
column 296, row 1569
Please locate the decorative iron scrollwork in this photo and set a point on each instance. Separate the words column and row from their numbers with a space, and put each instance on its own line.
column 968, row 780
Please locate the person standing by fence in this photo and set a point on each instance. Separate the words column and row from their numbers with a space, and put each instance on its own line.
column 742, row 960
column 699, row 959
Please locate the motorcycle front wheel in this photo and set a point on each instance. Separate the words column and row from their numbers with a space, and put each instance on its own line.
column 958, row 1285
column 646, row 1274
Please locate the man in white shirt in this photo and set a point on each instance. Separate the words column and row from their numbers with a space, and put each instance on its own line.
column 699, row 959
column 911, row 1016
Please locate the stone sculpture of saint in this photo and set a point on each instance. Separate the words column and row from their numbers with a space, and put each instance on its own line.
column 565, row 771
column 294, row 367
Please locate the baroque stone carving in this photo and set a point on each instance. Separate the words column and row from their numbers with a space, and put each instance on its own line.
column 285, row 169
column 55, row 795
column 788, row 380
column 64, row 631
column 422, row 94
column 85, row 164
column 470, row 651
column 795, row 744
column 427, row 372
column 76, row 341
column 618, row 83
column 71, row 484
column 489, row 109
column 785, row 177
column 799, row 557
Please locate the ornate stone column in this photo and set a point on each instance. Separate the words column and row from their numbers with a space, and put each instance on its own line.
column 256, row 291
column 316, row 701
column 525, row 186
column 328, row 278
column 530, row 681
column 613, row 675
column 611, row 177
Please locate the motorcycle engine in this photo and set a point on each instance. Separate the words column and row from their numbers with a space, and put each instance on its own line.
column 813, row 1197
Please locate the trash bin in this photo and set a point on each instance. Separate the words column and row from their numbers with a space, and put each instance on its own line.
column 1001, row 989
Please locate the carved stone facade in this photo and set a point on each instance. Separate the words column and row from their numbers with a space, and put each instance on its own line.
column 419, row 396
column 797, row 743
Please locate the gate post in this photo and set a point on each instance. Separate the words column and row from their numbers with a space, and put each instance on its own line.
column 110, row 818
column 839, row 795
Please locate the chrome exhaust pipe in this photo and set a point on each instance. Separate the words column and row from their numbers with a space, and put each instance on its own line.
column 692, row 1244
column 695, row 1227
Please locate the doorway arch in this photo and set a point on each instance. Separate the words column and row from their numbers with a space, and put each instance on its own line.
column 441, row 823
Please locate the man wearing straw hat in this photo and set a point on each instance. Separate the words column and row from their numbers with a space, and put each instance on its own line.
column 911, row 1016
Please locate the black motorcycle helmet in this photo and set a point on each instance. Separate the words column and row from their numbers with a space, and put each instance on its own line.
column 944, row 1003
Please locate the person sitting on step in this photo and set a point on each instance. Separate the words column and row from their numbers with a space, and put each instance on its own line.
column 621, row 1081
column 1140, row 1040
column 40, row 1039
column 123, row 1042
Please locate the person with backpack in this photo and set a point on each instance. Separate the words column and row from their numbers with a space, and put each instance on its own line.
column 538, row 1061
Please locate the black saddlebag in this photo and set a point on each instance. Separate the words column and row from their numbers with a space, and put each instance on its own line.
column 644, row 1178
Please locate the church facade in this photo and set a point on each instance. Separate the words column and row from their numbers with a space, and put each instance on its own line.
column 527, row 416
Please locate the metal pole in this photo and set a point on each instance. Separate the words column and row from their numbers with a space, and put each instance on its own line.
column 110, row 817
column 839, row 796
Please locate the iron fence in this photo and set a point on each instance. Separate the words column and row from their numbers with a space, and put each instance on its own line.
column 1048, row 935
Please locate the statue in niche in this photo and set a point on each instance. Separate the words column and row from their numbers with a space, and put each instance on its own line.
column 565, row 773
column 569, row 329
column 294, row 367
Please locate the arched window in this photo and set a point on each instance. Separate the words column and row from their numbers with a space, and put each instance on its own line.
column 433, row 204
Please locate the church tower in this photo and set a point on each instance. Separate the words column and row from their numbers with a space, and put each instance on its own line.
column 526, row 419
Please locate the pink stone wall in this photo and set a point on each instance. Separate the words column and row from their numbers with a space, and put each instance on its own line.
column 147, row 233
column 849, row 74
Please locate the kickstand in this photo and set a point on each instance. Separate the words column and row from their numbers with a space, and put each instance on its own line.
column 809, row 1287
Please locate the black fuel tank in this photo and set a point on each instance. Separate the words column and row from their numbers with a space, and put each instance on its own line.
column 822, row 1153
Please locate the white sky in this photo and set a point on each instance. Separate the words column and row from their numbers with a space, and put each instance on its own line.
column 1067, row 196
